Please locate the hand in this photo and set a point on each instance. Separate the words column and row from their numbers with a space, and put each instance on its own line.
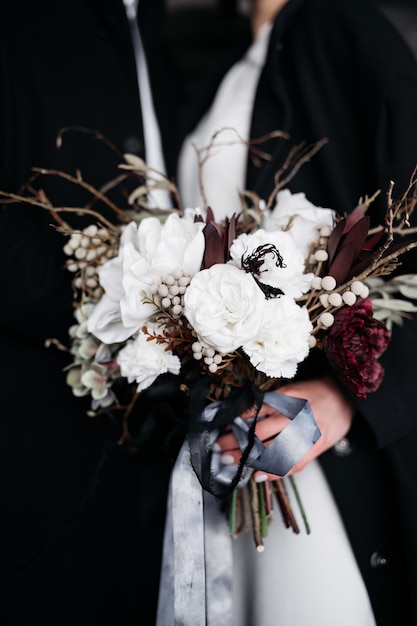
column 332, row 410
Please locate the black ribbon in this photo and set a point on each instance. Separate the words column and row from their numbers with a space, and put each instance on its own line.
column 207, row 422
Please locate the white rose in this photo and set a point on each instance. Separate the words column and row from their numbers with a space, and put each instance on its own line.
column 303, row 218
column 147, row 252
column 224, row 305
column 282, row 341
column 142, row 361
column 282, row 266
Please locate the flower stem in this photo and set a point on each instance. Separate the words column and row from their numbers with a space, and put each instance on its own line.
column 256, row 523
column 285, row 506
column 300, row 504
column 232, row 513
column 262, row 511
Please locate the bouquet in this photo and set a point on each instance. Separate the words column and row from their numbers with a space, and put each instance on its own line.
column 230, row 308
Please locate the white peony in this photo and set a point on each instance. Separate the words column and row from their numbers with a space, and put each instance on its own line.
column 224, row 305
column 283, row 338
column 147, row 252
column 286, row 273
column 303, row 218
column 142, row 361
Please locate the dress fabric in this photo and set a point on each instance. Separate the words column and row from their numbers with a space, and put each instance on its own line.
column 299, row 580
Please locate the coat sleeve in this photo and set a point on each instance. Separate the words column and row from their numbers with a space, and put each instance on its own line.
column 350, row 76
column 389, row 78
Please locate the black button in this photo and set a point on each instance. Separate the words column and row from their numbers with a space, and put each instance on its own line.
column 133, row 145
column 343, row 447
column 102, row 32
column 377, row 560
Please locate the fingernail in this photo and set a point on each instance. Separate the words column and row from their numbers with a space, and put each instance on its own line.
column 227, row 459
column 261, row 478
column 215, row 447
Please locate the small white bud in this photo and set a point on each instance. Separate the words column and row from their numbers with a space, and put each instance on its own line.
column 356, row 287
column 324, row 300
column 80, row 253
column 74, row 241
column 169, row 280
column 326, row 319
column 91, row 230
column 325, row 231
column 321, row 255
column 91, row 254
column 316, row 282
column 328, row 283
column 312, row 341
column 349, row 298
column 359, row 289
column 163, row 291
column 165, row 303
column 335, row 299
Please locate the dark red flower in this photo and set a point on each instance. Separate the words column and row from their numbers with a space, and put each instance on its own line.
column 353, row 345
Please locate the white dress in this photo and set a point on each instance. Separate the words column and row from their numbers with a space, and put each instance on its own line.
column 299, row 580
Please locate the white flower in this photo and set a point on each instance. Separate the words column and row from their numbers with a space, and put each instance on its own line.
column 142, row 361
column 224, row 305
column 147, row 252
column 285, row 271
column 283, row 339
column 303, row 218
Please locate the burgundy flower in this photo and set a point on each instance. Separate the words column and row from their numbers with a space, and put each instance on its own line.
column 353, row 345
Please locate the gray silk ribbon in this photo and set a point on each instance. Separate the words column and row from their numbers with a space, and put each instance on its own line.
column 196, row 583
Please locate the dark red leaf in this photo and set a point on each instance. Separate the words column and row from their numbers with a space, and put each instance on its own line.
column 373, row 241
column 334, row 239
column 342, row 262
column 356, row 215
column 357, row 236
column 210, row 215
column 214, row 251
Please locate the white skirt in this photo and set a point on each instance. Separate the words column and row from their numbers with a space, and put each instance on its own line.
column 301, row 580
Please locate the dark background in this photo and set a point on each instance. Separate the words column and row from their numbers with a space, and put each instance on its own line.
column 198, row 30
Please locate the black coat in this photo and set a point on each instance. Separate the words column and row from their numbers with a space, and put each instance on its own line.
column 339, row 70
column 75, row 542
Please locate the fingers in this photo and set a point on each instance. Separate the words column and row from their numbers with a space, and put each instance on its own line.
column 261, row 477
column 268, row 426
